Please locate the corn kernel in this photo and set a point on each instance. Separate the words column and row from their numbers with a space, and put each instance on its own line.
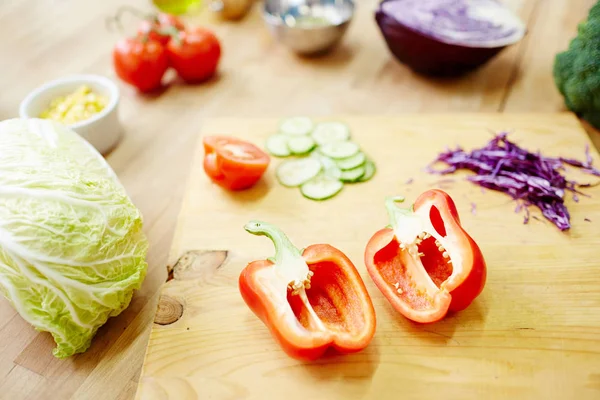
column 81, row 104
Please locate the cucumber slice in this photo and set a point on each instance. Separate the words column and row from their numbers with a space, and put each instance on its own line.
column 353, row 175
column 370, row 170
column 327, row 132
column 300, row 144
column 296, row 126
column 333, row 172
column 339, row 149
column 352, row 162
column 321, row 187
column 277, row 145
column 294, row 173
column 330, row 168
column 326, row 161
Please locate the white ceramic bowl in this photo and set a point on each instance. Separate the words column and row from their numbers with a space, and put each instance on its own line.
column 101, row 130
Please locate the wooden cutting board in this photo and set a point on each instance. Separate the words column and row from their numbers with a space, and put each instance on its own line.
column 533, row 333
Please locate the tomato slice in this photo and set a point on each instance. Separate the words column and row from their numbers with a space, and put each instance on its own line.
column 233, row 163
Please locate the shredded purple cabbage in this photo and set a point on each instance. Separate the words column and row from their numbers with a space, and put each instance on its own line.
column 530, row 179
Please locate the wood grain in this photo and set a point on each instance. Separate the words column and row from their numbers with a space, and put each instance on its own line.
column 533, row 333
column 46, row 39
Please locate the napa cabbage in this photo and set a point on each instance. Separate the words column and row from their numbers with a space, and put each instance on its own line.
column 72, row 250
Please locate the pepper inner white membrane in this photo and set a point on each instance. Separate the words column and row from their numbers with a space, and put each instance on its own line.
column 328, row 297
column 419, row 262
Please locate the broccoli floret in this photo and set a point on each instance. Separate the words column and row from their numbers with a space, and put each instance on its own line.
column 577, row 70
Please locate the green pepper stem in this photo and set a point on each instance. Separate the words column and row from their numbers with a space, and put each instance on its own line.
column 283, row 247
column 393, row 210
column 288, row 261
column 405, row 223
column 172, row 32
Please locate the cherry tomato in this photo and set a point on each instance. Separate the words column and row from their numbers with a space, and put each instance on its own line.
column 152, row 27
column 233, row 163
column 141, row 63
column 195, row 55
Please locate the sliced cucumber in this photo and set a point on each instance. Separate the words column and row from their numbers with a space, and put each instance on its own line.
column 327, row 132
column 339, row 149
column 326, row 161
column 294, row 173
column 300, row 144
column 320, row 174
column 277, row 145
column 321, row 187
column 329, row 166
column 353, row 175
column 296, row 126
column 370, row 170
column 352, row 162
column 333, row 172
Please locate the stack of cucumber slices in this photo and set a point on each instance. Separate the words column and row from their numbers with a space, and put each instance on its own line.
column 325, row 157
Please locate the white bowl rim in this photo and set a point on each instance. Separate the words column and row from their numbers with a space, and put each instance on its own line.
column 102, row 80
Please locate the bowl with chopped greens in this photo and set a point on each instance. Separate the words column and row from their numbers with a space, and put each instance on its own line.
column 88, row 104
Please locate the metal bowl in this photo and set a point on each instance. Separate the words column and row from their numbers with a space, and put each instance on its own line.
column 308, row 27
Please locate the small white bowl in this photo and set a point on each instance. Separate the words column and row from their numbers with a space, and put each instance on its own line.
column 101, row 130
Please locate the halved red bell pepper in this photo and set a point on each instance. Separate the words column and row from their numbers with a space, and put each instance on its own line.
column 310, row 300
column 426, row 264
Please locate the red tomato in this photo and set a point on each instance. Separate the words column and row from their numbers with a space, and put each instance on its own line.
column 233, row 163
column 195, row 56
column 140, row 63
column 153, row 27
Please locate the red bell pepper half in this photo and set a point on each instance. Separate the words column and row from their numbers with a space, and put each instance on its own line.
column 311, row 299
column 426, row 264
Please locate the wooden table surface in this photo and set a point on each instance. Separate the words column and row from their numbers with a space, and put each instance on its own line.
column 46, row 39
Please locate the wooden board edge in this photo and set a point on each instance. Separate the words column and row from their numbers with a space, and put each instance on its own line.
column 172, row 258
column 210, row 123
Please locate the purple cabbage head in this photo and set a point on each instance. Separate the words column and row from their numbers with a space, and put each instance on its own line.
column 447, row 37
